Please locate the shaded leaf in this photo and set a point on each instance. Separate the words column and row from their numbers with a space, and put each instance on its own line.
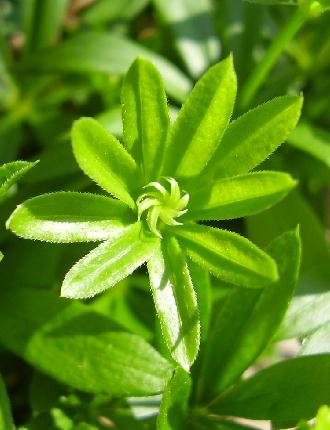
column 239, row 196
column 201, row 122
column 248, row 320
column 175, row 301
column 145, row 116
column 173, row 410
column 288, row 391
column 69, row 217
column 102, row 157
column 227, row 255
column 6, row 420
column 77, row 346
column 109, row 263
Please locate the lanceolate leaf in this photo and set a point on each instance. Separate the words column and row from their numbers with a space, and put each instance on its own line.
column 173, row 410
column 6, row 420
column 69, row 217
column 175, row 301
column 145, row 116
column 11, row 173
column 288, row 391
column 251, row 138
column 109, row 263
column 239, row 196
column 77, row 346
column 249, row 319
column 201, row 122
column 101, row 156
column 227, row 255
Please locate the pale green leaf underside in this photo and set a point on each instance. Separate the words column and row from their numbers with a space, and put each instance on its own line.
column 251, row 317
column 251, row 138
column 227, row 255
column 201, row 122
column 109, row 263
column 69, row 217
column 78, row 346
column 268, row 2
column 175, row 301
column 102, row 157
column 6, row 420
column 11, row 173
column 239, row 196
column 145, row 116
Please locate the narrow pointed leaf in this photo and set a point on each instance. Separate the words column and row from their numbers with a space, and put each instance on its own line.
column 6, row 420
column 11, row 173
column 173, row 410
column 175, row 301
column 102, row 157
column 145, row 116
column 251, row 317
column 251, row 138
column 288, row 391
column 202, row 121
column 239, row 196
column 227, row 255
column 109, row 263
column 77, row 346
column 69, row 217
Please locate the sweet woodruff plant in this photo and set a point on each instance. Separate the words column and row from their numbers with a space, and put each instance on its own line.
column 164, row 182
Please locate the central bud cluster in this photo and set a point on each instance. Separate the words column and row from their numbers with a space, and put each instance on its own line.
column 162, row 205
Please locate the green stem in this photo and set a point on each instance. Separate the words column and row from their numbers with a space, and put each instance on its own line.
column 257, row 77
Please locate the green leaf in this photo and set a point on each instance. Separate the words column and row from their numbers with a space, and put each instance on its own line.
column 227, row 255
column 11, row 173
column 322, row 419
column 42, row 22
column 145, row 116
column 251, row 138
column 102, row 157
column 173, row 410
column 69, row 217
column 103, row 11
column 6, row 420
column 312, row 140
column 78, row 347
column 175, row 301
column 109, row 263
column 191, row 23
column 288, row 391
column 318, row 342
column 239, row 196
column 201, row 122
column 251, row 317
column 90, row 52
column 1, row 255
column 268, row 2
